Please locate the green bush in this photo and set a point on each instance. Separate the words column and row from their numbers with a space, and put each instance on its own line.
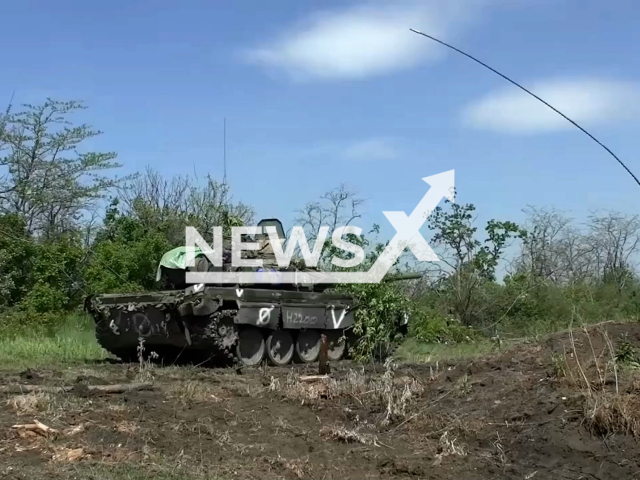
column 379, row 307
column 431, row 326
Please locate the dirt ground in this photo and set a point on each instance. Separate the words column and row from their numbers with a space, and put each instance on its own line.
column 560, row 409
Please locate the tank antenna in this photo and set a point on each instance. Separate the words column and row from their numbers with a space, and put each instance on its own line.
column 534, row 96
column 224, row 150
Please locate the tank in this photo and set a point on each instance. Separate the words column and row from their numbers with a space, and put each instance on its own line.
column 281, row 323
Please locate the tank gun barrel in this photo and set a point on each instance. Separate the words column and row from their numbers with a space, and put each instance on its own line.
column 402, row 276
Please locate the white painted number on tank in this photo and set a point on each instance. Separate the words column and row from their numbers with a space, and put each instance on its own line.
column 294, row 317
column 264, row 315
column 114, row 327
column 337, row 321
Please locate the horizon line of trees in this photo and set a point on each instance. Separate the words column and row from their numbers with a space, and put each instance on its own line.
column 70, row 226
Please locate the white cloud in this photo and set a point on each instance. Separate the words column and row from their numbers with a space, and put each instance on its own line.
column 588, row 100
column 366, row 40
column 371, row 149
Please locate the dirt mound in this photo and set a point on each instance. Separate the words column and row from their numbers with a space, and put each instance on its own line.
column 563, row 408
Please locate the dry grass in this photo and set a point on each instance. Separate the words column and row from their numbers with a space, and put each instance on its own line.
column 606, row 409
column 448, row 446
column 30, row 403
column 127, row 427
column 390, row 391
column 298, row 467
column 192, row 391
column 345, row 435
column 606, row 414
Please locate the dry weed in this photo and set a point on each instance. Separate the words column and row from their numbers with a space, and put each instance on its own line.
column 448, row 446
column 146, row 367
column 117, row 407
column 343, row 434
column 30, row 403
column 432, row 425
column 191, row 391
column 281, row 424
column 591, row 374
column 127, row 427
column 244, row 390
column 298, row 467
column 606, row 410
column 68, row 454
column 606, row 414
column 223, row 439
column 395, row 394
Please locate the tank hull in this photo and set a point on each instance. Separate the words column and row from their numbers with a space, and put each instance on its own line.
column 213, row 322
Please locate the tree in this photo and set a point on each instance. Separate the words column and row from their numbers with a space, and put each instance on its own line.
column 614, row 239
column 172, row 204
column 48, row 180
column 470, row 263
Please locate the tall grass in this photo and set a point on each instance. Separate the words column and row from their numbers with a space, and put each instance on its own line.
column 415, row 351
column 70, row 341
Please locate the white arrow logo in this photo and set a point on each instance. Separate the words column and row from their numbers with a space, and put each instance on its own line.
column 408, row 228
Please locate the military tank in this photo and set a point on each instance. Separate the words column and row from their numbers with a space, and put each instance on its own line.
column 245, row 323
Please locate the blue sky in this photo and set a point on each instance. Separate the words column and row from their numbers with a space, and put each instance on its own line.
column 320, row 93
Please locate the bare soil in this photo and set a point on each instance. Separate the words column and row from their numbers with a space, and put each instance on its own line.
column 556, row 409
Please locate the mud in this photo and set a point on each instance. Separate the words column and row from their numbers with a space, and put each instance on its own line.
column 538, row 411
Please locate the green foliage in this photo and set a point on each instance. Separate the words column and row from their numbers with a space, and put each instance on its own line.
column 415, row 351
column 430, row 326
column 125, row 254
column 50, row 181
column 16, row 253
column 470, row 271
column 379, row 308
column 626, row 353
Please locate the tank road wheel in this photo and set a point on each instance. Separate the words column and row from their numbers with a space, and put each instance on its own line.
column 250, row 348
column 308, row 346
column 337, row 344
column 280, row 347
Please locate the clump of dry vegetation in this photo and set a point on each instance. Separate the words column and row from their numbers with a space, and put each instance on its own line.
column 345, row 435
column 607, row 413
column 192, row 391
column 30, row 403
column 392, row 392
column 608, row 408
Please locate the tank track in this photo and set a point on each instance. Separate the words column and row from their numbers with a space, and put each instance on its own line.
column 222, row 324
column 197, row 338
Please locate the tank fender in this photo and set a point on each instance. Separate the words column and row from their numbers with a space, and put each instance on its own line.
column 200, row 305
column 339, row 317
column 258, row 314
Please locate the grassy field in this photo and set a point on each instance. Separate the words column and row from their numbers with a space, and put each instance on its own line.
column 412, row 351
column 72, row 342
